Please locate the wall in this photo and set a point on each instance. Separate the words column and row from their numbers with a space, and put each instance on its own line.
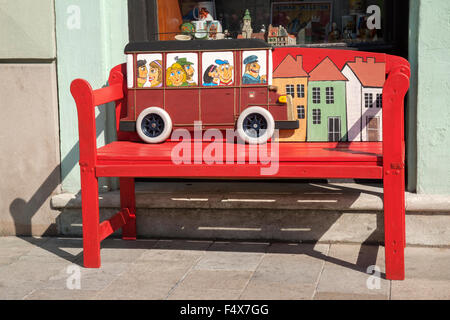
column 29, row 157
column 91, row 37
column 433, row 96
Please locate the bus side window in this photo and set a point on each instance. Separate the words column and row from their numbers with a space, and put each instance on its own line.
column 182, row 69
column 149, row 73
column 218, row 68
column 254, row 67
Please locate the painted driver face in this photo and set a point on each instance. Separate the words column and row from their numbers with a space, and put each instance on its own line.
column 254, row 69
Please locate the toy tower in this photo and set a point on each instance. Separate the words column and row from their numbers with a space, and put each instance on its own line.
column 247, row 30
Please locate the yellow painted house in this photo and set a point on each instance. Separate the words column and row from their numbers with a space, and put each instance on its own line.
column 292, row 79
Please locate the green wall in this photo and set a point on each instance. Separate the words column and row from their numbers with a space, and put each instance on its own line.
column 319, row 132
column 433, row 94
column 91, row 36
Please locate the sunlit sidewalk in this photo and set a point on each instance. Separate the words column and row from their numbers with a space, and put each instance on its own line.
column 51, row 268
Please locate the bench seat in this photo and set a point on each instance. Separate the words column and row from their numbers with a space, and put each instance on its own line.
column 296, row 160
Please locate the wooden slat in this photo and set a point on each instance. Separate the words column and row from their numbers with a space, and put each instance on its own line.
column 288, row 152
column 285, row 171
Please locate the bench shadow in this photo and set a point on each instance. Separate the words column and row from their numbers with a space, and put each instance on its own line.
column 212, row 225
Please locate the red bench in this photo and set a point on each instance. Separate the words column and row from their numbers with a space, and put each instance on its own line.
column 128, row 159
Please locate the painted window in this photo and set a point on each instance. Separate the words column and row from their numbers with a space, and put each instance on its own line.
column 182, row 69
column 149, row 70
column 290, row 90
column 217, row 69
column 300, row 91
column 316, row 95
column 334, row 129
column 301, row 112
column 330, row 95
column 373, row 128
column 379, row 102
column 254, row 67
column 317, row 116
column 368, row 100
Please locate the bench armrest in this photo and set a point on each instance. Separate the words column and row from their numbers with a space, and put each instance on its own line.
column 394, row 91
column 86, row 100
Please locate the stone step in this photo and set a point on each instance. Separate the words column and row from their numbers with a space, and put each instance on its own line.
column 335, row 212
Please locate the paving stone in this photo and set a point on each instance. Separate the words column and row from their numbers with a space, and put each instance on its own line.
column 52, row 294
column 232, row 256
column 91, row 279
column 348, row 296
column 260, row 290
column 16, row 291
column 175, row 250
column 345, row 271
column 226, row 280
column 427, row 263
column 420, row 289
column 143, row 281
column 204, row 294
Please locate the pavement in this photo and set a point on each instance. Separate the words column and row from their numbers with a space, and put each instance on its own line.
column 51, row 268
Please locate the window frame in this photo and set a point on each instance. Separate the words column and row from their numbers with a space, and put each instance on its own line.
column 317, row 116
column 301, row 110
column 316, row 95
column 329, row 95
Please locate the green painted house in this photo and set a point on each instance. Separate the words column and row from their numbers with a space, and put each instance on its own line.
column 327, row 112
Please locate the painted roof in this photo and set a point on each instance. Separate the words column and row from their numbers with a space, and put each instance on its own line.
column 370, row 73
column 326, row 71
column 290, row 68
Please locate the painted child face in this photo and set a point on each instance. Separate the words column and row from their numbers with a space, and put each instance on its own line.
column 153, row 76
column 176, row 76
column 225, row 72
column 254, row 69
column 215, row 75
column 143, row 71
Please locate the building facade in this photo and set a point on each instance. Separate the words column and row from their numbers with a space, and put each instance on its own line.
column 292, row 79
column 327, row 116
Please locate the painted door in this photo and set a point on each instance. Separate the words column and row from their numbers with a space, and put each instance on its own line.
column 217, row 94
column 373, row 128
column 182, row 88
column 334, row 129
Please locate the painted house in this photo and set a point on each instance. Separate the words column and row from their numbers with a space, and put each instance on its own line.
column 292, row 79
column 364, row 99
column 327, row 116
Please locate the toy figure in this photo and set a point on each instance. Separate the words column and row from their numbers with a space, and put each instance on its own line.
column 252, row 69
column 155, row 73
column 205, row 15
column 334, row 34
column 142, row 73
column 176, row 76
column 225, row 73
column 211, row 76
column 189, row 69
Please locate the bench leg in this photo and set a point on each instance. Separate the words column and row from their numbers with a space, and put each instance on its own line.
column 394, row 223
column 91, row 218
column 127, row 200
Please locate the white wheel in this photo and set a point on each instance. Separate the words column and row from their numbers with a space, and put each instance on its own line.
column 255, row 125
column 154, row 125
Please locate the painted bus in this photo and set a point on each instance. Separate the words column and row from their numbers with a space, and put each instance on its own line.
column 220, row 84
